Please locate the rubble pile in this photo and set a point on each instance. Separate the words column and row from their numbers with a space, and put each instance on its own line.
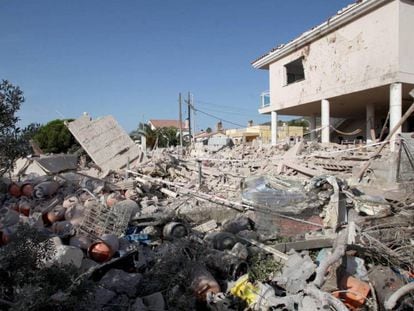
column 241, row 228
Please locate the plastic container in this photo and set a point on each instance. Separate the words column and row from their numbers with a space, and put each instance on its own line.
column 14, row 190
column 174, row 230
column 203, row 283
column 27, row 189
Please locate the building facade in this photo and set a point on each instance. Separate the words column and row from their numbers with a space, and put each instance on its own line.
column 358, row 65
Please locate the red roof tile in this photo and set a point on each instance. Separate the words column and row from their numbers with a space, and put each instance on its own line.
column 167, row 123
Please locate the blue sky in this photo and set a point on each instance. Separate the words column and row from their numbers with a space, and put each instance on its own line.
column 131, row 58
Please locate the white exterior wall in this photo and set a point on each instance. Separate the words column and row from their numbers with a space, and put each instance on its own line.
column 361, row 55
column 406, row 46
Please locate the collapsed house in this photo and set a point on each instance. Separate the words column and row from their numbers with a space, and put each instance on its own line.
column 238, row 228
column 293, row 226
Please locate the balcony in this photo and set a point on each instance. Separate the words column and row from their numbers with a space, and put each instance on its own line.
column 265, row 99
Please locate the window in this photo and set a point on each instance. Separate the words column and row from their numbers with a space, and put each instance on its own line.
column 295, row 71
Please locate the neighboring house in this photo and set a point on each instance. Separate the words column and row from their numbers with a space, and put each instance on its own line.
column 263, row 133
column 358, row 65
column 157, row 124
column 205, row 136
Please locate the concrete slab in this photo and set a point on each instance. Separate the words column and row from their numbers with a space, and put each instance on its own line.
column 57, row 163
column 105, row 141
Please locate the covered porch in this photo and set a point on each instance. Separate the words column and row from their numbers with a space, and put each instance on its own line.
column 371, row 107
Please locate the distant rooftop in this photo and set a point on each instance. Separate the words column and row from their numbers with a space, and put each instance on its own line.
column 167, row 123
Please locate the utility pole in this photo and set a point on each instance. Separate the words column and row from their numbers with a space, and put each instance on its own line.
column 194, row 115
column 189, row 115
column 180, row 117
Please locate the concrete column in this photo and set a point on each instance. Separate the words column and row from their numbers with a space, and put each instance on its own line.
column 312, row 124
column 370, row 120
column 325, row 121
column 395, row 109
column 274, row 128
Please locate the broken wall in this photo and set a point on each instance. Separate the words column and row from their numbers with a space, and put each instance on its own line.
column 406, row 44
column 358, row 56
column 105, row 141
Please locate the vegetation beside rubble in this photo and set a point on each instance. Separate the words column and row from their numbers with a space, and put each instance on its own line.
column 14, row 141
column 263, row 267
column 54, row 137
column 160, row 137
column 26, row 283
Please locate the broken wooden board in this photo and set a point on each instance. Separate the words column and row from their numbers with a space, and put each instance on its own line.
column 206, row 227
column 105, row 141
column 334, row 166
column 290, row 155
column 304, row 170
column 304, row 245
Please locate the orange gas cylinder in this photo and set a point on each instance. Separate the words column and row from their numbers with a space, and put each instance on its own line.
column 353, row 292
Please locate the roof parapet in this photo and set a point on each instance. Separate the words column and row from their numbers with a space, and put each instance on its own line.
column 342, row 18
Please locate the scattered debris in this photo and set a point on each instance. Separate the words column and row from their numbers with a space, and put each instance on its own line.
column 230, row 228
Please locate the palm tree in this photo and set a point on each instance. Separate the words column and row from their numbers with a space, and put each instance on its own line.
column 145, row 130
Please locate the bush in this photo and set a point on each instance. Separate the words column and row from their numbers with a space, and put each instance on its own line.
column 54, row 137
column 27, row 284
column 14, row 142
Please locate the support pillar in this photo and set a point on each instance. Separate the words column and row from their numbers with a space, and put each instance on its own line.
column 370, row 122
column 395, row 110
column 325, row 121
column 312, row 124
column 274, row 128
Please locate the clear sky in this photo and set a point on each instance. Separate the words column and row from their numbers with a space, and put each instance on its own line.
column 131, row 58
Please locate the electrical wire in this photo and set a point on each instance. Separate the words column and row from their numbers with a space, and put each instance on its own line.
column 219, row 105
column 227, row 112
column 217, row 118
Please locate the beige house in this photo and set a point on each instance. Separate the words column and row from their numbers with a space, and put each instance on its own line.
column 263, row 133
column 358, row 65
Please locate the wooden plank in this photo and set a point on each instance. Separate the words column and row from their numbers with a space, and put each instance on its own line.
column 277, row 254
column 304, row 170
column 304, row 245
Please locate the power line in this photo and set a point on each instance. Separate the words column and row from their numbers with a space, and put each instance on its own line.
column 218, row 118
column 227, row 111
column 219, row 105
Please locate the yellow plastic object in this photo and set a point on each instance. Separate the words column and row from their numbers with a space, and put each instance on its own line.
column 245, row 290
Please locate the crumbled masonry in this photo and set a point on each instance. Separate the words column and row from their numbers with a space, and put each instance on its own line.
column 287, row 227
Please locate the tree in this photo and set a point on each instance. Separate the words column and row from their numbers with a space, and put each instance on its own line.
column 298, row 122
column 145, row 130
column 28, row 283
column 160, row 137
column 167, row 136
column 14, row 142
column 54, row 137
column 209, row 130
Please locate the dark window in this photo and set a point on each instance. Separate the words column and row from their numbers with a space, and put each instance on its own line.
column 295, row 71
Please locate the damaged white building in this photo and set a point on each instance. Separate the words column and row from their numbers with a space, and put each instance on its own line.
column 354, row 71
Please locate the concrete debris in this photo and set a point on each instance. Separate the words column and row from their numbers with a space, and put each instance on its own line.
column 105, row 141
column 45, row 164
column 102, row 296
column 121, row 282
column 258, row 227
column 154, row 302
column 297, row 270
